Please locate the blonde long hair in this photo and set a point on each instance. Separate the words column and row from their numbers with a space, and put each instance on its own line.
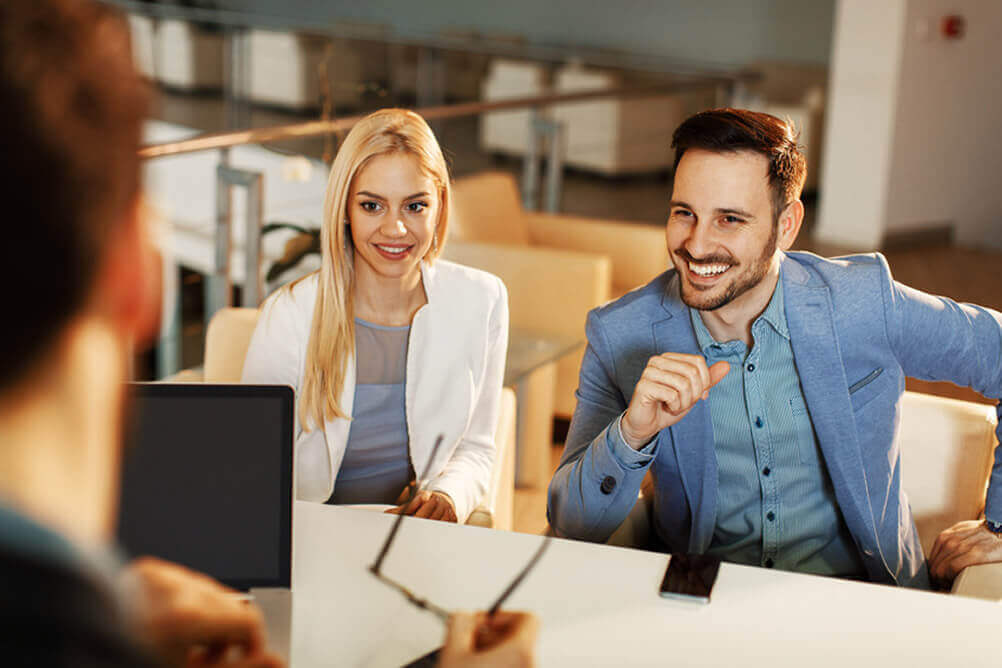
column 332, row 335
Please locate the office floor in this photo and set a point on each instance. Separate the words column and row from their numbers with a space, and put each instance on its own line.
column 964, row 274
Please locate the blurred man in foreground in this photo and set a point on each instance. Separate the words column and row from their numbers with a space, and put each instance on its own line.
column 82, row 287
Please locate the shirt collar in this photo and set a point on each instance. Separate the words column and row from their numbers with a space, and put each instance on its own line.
column 774, row 314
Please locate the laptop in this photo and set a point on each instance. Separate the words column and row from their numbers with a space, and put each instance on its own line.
column 207, row 480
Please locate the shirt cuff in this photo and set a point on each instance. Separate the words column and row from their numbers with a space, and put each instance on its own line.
column 627, row 457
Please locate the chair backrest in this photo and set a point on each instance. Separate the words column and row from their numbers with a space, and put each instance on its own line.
column 549, row 291
column 947, row 451
column 486, row 207
column 226, row 343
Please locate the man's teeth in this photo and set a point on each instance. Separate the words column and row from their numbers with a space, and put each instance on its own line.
column 708, row 269
column 396, row 250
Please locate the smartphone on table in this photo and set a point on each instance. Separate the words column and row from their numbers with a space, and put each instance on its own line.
column 690, row 577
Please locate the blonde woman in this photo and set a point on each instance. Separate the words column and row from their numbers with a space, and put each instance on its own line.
column 386, row 346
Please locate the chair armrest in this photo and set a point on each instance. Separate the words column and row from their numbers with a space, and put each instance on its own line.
column 981, row 581
column 496, row 508
column 481, row 517
column 192, row 375
column 637, row 250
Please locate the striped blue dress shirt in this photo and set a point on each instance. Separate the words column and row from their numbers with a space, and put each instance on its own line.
column 775, row 501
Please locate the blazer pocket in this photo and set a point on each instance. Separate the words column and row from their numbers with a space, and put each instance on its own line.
column 867, row 388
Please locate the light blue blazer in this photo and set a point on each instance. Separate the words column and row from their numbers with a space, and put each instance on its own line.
column 855, row 333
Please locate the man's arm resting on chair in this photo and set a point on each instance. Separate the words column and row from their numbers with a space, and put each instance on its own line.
column 961, row 343
column 964, row 544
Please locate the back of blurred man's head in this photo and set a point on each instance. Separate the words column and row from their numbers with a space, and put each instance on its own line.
column 71, row 112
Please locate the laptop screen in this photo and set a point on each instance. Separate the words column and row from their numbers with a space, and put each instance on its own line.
column 207, row 480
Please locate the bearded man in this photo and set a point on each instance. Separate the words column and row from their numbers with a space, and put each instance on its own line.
column 760, row 386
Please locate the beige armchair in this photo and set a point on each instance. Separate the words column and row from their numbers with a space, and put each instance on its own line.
column 549, row 292
column 487, row 210
column 947, row 450
column 226, row 343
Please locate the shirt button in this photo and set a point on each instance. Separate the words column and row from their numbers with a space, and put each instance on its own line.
column 766, row 471
column 751, row 367
column 608, row 484
column 769, row 563
column 770, row 516
column 758, row 422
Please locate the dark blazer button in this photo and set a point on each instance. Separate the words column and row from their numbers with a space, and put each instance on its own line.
column 608, row 485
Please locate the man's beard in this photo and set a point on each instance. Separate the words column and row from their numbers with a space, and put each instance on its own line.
column 740, row 285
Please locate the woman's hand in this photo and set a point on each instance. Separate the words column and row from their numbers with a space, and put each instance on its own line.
column 430, row 505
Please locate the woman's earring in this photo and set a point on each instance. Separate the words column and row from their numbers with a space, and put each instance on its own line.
column 434, row 242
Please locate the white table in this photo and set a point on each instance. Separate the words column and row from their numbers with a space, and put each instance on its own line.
column 599, row 604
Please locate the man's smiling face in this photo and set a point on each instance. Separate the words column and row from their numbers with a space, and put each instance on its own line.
column 721, row 230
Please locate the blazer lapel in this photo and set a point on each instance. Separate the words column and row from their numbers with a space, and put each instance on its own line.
column 440, row 386
column 816, row 351
column 692, row 437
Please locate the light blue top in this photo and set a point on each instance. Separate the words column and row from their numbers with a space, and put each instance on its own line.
column 776, row 504
column 376, row 465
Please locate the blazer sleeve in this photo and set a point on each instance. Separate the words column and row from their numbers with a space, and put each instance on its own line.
column 466, row 475
column 599, row 476
column 935, row 338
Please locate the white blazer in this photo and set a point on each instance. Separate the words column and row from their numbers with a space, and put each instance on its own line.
column 455, row 369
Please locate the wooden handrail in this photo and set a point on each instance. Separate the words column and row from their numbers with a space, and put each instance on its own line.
column 321, row 127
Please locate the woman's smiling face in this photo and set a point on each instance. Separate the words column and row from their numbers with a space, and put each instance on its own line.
column 393, row 211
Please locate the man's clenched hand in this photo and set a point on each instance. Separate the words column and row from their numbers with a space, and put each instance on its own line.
column 670, row 386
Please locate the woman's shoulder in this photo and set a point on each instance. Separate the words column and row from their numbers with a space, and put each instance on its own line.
column 295, row 298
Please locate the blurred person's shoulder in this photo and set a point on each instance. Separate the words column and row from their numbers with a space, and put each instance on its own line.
column 56, row 615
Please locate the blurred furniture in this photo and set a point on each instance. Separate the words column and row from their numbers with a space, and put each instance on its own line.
column 620, row 136
column 293, row 71
column 794, row 92
column 609, row 136
column 188, row 57
column 550, row 291
column 496, row 510
column 531, row 370
column 181, row 191
column 226, row 343
column 543, row 258
column 142, row 31
column 599, row 606
column 947, row 450
column 464, row 70
column 508, row 131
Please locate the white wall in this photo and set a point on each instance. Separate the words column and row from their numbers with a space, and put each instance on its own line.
column 914, row 137
column 862, row 104
column 947, row 158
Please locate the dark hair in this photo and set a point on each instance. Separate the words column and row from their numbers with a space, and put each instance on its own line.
column 732, row 130
column 71, row 113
